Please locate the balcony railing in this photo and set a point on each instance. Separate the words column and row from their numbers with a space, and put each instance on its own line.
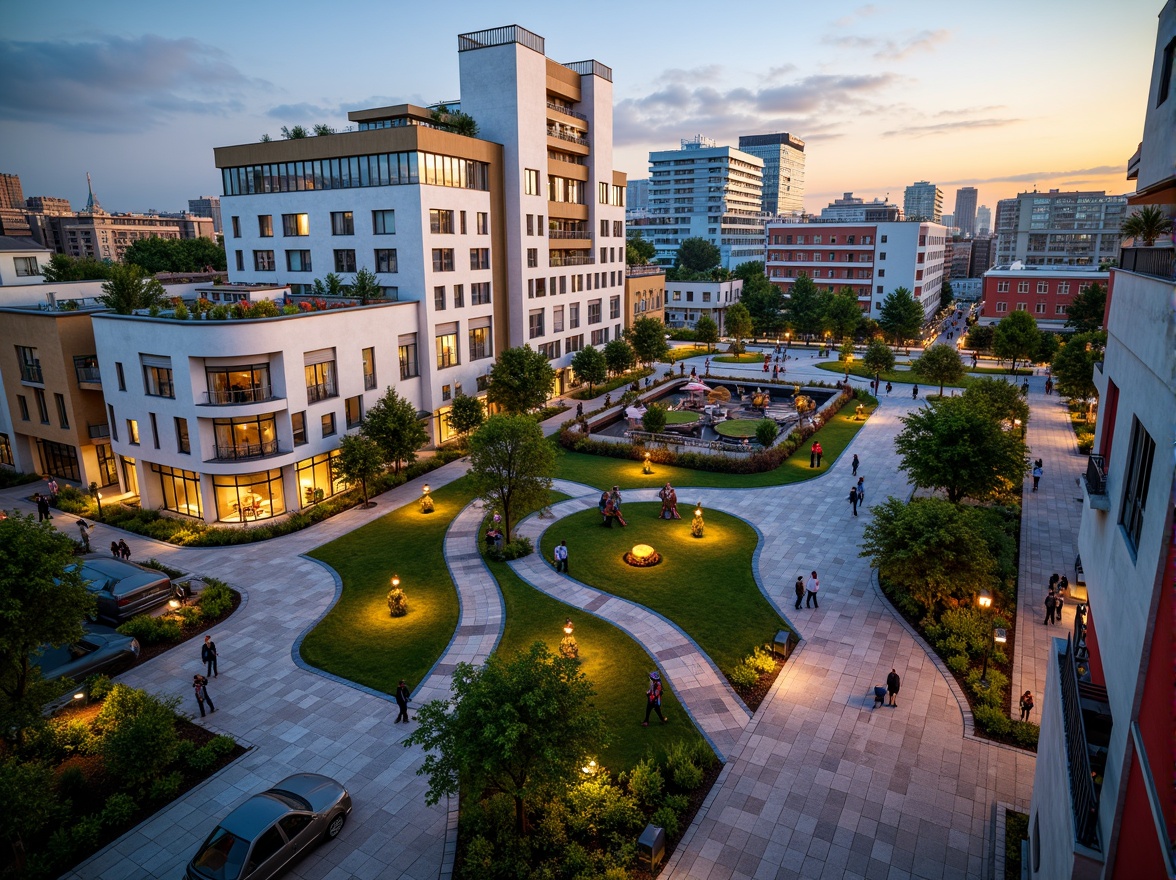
column 1157, row 261
column 568, row 233
column 1083, row 792
column 551, row 132
column 591, row 68
column 315, row 393
column 567, row 111
column 89, row 375
column 239, row 451
column 572, row 260
column 1096, row 476
column 256, row 394
column 99, row 432
column 31, row 373
column 648, row 269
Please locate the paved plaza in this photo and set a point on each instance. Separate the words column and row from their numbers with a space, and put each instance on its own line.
column 816, row 784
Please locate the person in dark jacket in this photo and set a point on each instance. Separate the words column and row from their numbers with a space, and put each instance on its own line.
column 402, row 702
column 892, row 683
column 653, row 699
column 208, row 656
column 853, row 499
column 200, row 688
column 799, row 590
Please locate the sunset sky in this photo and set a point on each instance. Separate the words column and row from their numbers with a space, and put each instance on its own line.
column 1000, row 95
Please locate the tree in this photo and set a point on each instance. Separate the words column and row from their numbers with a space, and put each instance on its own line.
column 706, row 330
column 1148, row 223
column 803, row 307
column 1016, row 338
column 366, row 286
column 322, row 129
column 590, row 366
column 648, row 338
column 455, row 121
column 294, row 133
column 842, row 313
column 939, row 365
column 878, row 358
column 959, row 445
column 154, row 255
column 619, row 356
column 62, row 267
column 929, row 550
column 654, row 420
column 466, row 416
column 738, row 325
column 43, row 600
column 698, row 255
column 869, row 329
column 761, row 298
column 1047, row 346
column 359, row 460
column 520, row 380
column 900, row 315
column 520, row 725
column 128, row 289
column 393, row 425
column 639, row 251
column 945, row 296
column 1073, row 365
column 511, row 465
column 1004, row 400
column 979, row 338
column 329, row 285
column 1085, row 313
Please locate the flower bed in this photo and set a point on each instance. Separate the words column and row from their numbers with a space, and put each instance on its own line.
column 215, row 603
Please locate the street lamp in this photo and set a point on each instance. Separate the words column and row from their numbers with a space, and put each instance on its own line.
column 1020, row 427
column 395, row 581
column 648, row 468
column 568, row 627
column 848, row 364
column 426, row 499
column 697, row 526
column 567, row 646
column 984, row 600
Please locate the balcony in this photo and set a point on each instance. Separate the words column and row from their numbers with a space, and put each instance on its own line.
column 648, row 269
column 243, row 451
column 586, row 259
column 569, row 234
column 228, row 397
column 1095, row 481
column 570, row 138
column 1086, row 717
column 31, row 373
column 566, row 110
column 1159, row 262
column 89, row 379
column 315, row 393
column 99, row 432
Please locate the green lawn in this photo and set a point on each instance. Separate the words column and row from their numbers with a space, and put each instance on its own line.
column 705, row 586
column 737, row 427
column 603, row 473
column 678, row 417
column 358, row 639
column 1000, row 371
column 748, row 357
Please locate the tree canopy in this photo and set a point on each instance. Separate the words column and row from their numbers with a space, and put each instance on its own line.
column 761, row 298
column 590, row 366
column 1016, row 338
column 466, row 415
column 639, row 251
column 842, row 313
column 698, row 255
column 979, row 338
column 359, row 460
column 520, row 380
column 803, row 308
column 1147, row 224
column 1073, row 365
column 366, row 286
column 648, row 338
column 154, row 255
column 707, row 331
column 900, row 315
column 619, row 356
column 878, row 357
column 392, row 424
column 738, row 324
column 511, row 465
column 128, row 289
column 1085, row 312
column 939, row 365
column 1004, row 400
column 62, row 267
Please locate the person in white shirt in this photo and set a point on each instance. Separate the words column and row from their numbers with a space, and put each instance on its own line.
column 561, row 557
column 811, row 587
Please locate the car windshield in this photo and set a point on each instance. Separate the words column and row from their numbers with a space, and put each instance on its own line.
column 293, row 801
column 222, row 856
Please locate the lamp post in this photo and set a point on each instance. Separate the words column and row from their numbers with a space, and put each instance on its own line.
column 567, row 646
column 848, row 364
column 426, row 499
column 984, row 600
column 648, row 468
column 1019, row 425
column 697, row 526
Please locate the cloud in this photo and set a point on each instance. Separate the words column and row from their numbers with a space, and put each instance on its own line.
column 886, row 49
column 857, row 15
column 1034, row 176
column 115, row 84
column 303, row 111
column 918, row 131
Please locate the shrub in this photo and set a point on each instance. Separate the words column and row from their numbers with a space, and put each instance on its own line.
column 761, row 661
column 1025, row 734
column 654, row 420
column 118, row 810
column 98, row 686
column 172, row 573
column 478, row 861
column 73, row 500
column 152, row 630
column 667, row 819
column 397, row 602
column 215, row 599
column 992, row 720
column 166, row 787
column 959, row 664
column 84, row 834
column 743, row 676
column 687, row 776
column 516, row 549
column 993, row 695
column 139, row 735
column 596, row 807
column 646, row 783
column 190, row 616
column 679, row 803
column 765, row 432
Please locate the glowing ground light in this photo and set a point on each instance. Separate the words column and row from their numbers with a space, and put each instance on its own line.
column 642, row 555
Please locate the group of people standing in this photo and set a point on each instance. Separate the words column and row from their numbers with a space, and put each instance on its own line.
column 610, row 508
column 1055, row 598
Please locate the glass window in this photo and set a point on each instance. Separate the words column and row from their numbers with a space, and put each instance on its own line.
column 483, row 223
column 26, row 266
column 1137, row 479
column 447, row 392
column 236, row 223
column 244, row 384
column 353, row 410
column 298, row 424
column 440, row 222
column 295, row 224
column 263, row 261
column 59, row 460
column 179, row 489
column 535, row 323
column 344, row 261
column 182, row 442
column 133, row 432
column 383, row 222
column 62, row 413
column 531, row 181
column 386, row 260
column 320, row 381
column 342, row 223
column 447, row 350
column 439, row 298
column 458, row 296
column 594, row 312
column 407, row 353
column 157, row 382
column 442, row 259
column 245, row 437
column 479, row 258
column 265, row 225
column 154, row 431
column 480, row 293
column 317, row 479
column 42, row 406
column 298, row 261
column 6, row 450
column 369, row 368
column 241, row 497
column 573, row 316
column 480, row 343
column 328, row 424
column 240, row 258
column 532, row 258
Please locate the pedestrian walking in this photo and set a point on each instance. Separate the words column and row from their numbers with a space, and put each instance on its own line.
column 811, row 587
column 52, row 485
column 84, row 530
column 580, row 409
column 653, row 698
column 799, row 590
column 200, row 688
column 561, row 557
column 861, row 487
column 889, row 388
column 892, row 685
column 1049, row 386
column 114, row 551
column 123, row 550
column 915, row 393
column 1037, row 472
column 1051, row 604
column 707, row 365
column 42, row 507
column 855, row 464
column 853, row 499
column 402, row 702
column 1026, row 705
column 820, row 452
column 1059, row 601
column 208, row 656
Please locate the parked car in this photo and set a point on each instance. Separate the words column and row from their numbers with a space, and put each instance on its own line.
column 262, row 837
column 101, row 649
column 124, row 589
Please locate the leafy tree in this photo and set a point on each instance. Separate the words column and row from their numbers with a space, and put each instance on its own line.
column 939, row 365
column 43, row 601
column 1148, row 223
column 738, row 325
column 63, row 267
column 520, row 725
column 590, row 366
column 1085, row 313
column 878, row 358
column 366, row 286
column 511, row 465
column 648, row 338
column 1004, row 400
column 329, row 285
column 295, row 133
column 698, row 254
column 520, row 380
column 128, row 289
column 322, row 129
column 654, row 420
column 265, row 138
column 393, row 425
column 803, row 307
column 1073, row 365
column 31, row 805
column 154, row 255
column 945, row 295
column 900, row 315
column 842, row 313
column 1016, row 338
column 979, row 338
column 639, row 251
column 466, row 415
column 455, row 121
column 930, row 550
column 763, row 300
column 706, row 330
column 359, row 460
column 958, row 445
column 869, row 329
column 619, row 356
column 1047, row 346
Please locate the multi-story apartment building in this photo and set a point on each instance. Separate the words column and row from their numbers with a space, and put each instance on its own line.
column 983, row 221
column 983, row 252
column 687, row 301
column 1103, row 804
column 784, row 157
column 21, row 260
column 48, row 205
column 645, row 293
column 207, row 206
column 958, row 256
column 706, row 191
column 965, row 210
column 872, row 259
column 1045, row 292
column 851, row 209
column 923, row 201
column 1059, row 228
column 637, row 196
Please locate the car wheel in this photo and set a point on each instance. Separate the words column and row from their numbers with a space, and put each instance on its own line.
column 336, row 826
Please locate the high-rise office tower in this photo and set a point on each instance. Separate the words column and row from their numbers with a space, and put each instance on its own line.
column 965, row 210
column 783, row 157
column 923, row 201
column 983, row 221
column 1059, row 228
column 207, row 206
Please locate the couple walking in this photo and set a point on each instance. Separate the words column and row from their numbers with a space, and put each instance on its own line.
column 807, row 591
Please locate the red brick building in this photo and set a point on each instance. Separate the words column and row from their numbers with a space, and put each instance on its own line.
column 1045, row 292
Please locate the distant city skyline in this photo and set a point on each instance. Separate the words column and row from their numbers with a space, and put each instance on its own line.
column 141, row 101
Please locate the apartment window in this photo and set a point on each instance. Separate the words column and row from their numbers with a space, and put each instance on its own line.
column 1002, row 307
column 479, row 343
column 531, row 181
column 26, row 266
column 317, row 477
column 618, row 228
column 369, row 368
column 265, row 225
column 462, row 217
column 706, row 297
column 440, row 222
column 342, row 223
column 236, row 227
column 60, row 460
column 439, row 298
column 1061, row 310
column 30, row 364
column 442, row 259
column 604, row 229
column 328, row 424
column 882, row 239
column 602, row 193
column 575, row 343
column 113, row 421
column 539, row 226
column 1043, row 287
column 1136, row 480
column 62, row 414
column 573, row 315
column 133, row 432
column 447, row 355
column 530, row 224
column 319, row 372
column 383, row 222
column 540, row 287
column 240, row 256
column 1022, row 287
column 157, row 377
column 447, row 392
column 594, row 312
column 386, row 260
column 1039, row 309
column 480, row 293
column 550, row 350
column 6, row 451
column 298, row 261
column 295, row 224
column 263, row 261
column 353, row 410
column 1002, row 287
column 459, row 296
column 881, row 273
column 42, row 407
column 535, row 323
column 182, row 442
column 482, row 223
column 557, row 319
column 614, row 307
column 154, row 430
column 1063, row 288
column 532, row 258
column 1166, row 72
column 344, row 261
column 599, row 337
column 407, row 353
column 298, row 423
column 479, row 258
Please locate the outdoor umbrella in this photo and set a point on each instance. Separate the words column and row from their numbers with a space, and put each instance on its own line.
column 695, row 386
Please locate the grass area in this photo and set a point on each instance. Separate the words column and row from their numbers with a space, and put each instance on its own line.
column 358, row 639
column 610, row 385
column 903, row 375
column 705, row 586
column 678, row 417
column 604, row 473
column 1001, row 371
column 737, row 427
column 748, row 357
